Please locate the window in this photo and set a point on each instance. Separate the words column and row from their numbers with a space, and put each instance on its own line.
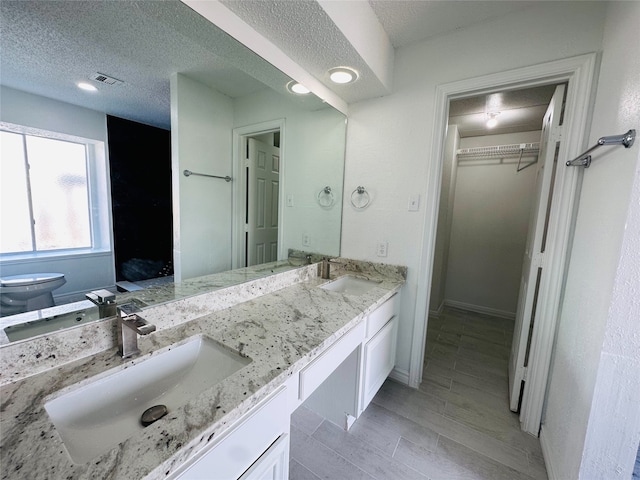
column 45, row 194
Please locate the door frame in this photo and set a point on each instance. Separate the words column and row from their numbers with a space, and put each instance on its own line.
column 238, row 193
column 579, row 73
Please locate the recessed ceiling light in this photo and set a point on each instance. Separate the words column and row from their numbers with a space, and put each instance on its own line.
column 297, row 88
column 343, row 75
column 86, row 86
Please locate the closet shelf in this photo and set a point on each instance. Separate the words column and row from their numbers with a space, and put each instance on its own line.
column 499, row 151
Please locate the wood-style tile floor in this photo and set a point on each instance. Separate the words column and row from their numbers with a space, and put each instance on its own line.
column 456, row 426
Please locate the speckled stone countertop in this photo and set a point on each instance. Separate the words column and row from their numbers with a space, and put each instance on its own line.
column 157, row 294
column 280, row 332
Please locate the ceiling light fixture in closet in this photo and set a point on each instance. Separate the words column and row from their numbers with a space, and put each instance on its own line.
column 343, row 75
column 493, row 121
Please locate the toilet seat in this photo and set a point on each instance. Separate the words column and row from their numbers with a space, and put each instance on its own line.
column 29, row 279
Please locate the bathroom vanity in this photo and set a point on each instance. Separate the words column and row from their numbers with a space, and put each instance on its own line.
column 330, row 348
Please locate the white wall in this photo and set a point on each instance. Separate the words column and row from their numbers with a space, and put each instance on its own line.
column 201, row 124
column 445, row 217
column 84, row 272
column 313, row 152
column 489, row 229
column 389, row 139
column 592, row 424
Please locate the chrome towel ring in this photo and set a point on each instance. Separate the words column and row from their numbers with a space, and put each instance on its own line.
column 360, row 198
column 326, row 198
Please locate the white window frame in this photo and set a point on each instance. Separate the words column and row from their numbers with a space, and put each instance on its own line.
column 99, row 193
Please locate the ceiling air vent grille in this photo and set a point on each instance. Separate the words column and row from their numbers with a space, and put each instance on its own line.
column 105, row 79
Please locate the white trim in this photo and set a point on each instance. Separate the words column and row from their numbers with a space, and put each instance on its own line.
column 546, row 454
column 480, row 309
column 579, row 72
column 576, row 118
column 400, row 376
column 438, row 312
column 240, row 181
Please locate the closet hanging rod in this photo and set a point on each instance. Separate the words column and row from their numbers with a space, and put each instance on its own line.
column 189, row 172
column 584, row 159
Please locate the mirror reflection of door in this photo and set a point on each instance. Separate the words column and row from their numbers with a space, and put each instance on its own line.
column 263, row 183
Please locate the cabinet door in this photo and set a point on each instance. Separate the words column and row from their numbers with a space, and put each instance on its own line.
column 379, row 359
column 245, row 442
column 273, row 464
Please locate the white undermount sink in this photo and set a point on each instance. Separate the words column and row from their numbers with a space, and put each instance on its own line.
column 350, row 285
column 93, row 418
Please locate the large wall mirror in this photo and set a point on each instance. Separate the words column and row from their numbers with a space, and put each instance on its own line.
column 228, row 113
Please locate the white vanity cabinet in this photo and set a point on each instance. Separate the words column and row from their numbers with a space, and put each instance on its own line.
column 340, row 383
column 379, row 350
column 255, row 447
column 272, row 464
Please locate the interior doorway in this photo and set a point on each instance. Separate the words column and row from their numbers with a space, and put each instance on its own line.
column 258, row 157
column 486, row 191
column 262, row 166
column 577, row 72
column 489, row 192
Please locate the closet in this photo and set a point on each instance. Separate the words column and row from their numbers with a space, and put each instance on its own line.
column 487, row 190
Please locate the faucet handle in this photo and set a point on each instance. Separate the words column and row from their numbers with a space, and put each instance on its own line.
column 128, row 309
column 101, row 297
column 140, row 325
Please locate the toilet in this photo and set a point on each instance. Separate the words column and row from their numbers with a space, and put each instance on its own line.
column 29, row 291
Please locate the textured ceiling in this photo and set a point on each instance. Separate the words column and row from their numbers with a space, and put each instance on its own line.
column 49, row 46
column 304, row 31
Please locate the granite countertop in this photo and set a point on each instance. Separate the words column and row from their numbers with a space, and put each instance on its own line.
column 159, row 294
column 280, row 332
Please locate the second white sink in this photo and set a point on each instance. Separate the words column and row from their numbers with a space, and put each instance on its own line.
column 350, row 285
column 93, row 418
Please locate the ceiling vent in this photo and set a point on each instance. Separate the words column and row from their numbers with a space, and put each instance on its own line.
column 105, row 79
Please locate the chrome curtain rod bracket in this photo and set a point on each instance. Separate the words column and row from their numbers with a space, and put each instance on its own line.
column 189, row 172
column 584, row 159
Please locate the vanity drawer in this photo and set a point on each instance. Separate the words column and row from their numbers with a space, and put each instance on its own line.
column 380, row 316
column 317, row 371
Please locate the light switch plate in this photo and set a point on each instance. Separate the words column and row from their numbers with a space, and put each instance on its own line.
column 290, row 200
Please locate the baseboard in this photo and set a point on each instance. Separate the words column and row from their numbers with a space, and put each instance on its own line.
column 436, row 313
column 546, row 455
column 400, row 376
column 480, row 309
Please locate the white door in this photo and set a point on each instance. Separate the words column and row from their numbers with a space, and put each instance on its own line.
column 263, row 174
column 532, row 268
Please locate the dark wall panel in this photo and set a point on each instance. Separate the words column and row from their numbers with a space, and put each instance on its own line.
column 140, row 162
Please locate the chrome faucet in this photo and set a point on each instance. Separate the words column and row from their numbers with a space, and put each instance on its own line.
column 326, row 267
column 130, row 324
column 105, row 300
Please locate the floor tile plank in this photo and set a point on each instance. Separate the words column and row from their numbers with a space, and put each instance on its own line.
column 457, row 425
column 363, row 455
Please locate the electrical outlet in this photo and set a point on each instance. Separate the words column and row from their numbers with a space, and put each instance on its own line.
column 290, row 200
column 414, row 203
column 306, row 240
column 381, row 249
